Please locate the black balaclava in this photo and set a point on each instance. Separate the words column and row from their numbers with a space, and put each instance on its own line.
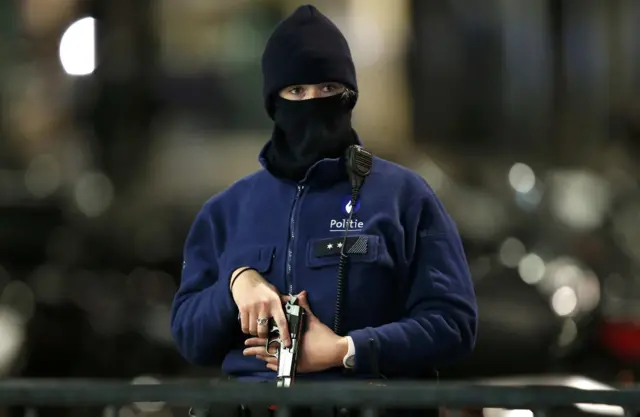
column 307, row 48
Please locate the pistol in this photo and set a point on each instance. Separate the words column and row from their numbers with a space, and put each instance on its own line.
column 287, row 357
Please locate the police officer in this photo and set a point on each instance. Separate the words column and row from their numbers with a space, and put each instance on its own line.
column 409, row 304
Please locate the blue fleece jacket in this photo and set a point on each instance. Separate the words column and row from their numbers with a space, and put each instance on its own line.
column 408, row 287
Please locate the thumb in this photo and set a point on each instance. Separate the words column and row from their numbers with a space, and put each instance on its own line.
column 303, row 300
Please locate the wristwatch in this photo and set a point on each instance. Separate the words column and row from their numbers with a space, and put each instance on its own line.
column 349, row 360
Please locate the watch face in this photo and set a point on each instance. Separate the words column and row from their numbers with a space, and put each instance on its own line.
column 350, row 362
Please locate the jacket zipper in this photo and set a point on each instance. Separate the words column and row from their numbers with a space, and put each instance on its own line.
column 291, row 238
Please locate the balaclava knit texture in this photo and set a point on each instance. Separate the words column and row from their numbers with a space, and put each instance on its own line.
column 307, row 48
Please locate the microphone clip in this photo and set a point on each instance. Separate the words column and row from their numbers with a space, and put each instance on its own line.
column 359, row 162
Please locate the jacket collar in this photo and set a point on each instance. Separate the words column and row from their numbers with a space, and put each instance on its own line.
column 325, row 172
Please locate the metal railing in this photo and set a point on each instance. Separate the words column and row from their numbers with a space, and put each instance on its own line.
column 390, row 395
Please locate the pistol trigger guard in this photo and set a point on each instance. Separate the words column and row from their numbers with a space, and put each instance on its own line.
column 269, row 343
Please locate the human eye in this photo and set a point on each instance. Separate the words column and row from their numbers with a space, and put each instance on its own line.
column 332, row 88
column 296, row 90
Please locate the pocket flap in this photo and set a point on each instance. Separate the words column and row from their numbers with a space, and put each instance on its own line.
column 359, row 248
column 259, row 257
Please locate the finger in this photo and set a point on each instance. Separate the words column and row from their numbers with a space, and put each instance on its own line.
column 254, row 351
column 284, row 298
column 272, row 367
column 263, row 328
column 255, row 341
column 244, row 321
column 281, row 321
column 253, row 323
column 303, row 301
column 268, row 359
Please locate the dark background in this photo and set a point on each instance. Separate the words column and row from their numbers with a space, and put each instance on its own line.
column 523, row 116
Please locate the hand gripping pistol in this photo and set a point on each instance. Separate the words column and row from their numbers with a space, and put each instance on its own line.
column 287, row 357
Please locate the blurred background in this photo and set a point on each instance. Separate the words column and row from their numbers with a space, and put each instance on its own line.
column 119, row 118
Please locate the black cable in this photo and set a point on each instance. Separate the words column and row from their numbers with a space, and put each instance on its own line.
column 344, row 263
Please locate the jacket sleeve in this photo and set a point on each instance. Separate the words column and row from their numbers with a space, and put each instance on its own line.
column 203, row 314
column 440, row 322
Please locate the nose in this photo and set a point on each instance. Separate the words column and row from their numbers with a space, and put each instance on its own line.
column 313, row 92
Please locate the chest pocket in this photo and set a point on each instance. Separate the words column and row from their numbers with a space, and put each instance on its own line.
column 259, row 257
column 369, row 279
column 326, row 252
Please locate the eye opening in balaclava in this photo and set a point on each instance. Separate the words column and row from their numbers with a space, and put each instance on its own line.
column 307, row 48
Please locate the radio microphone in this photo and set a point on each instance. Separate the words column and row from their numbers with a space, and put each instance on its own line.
column 358, row 162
